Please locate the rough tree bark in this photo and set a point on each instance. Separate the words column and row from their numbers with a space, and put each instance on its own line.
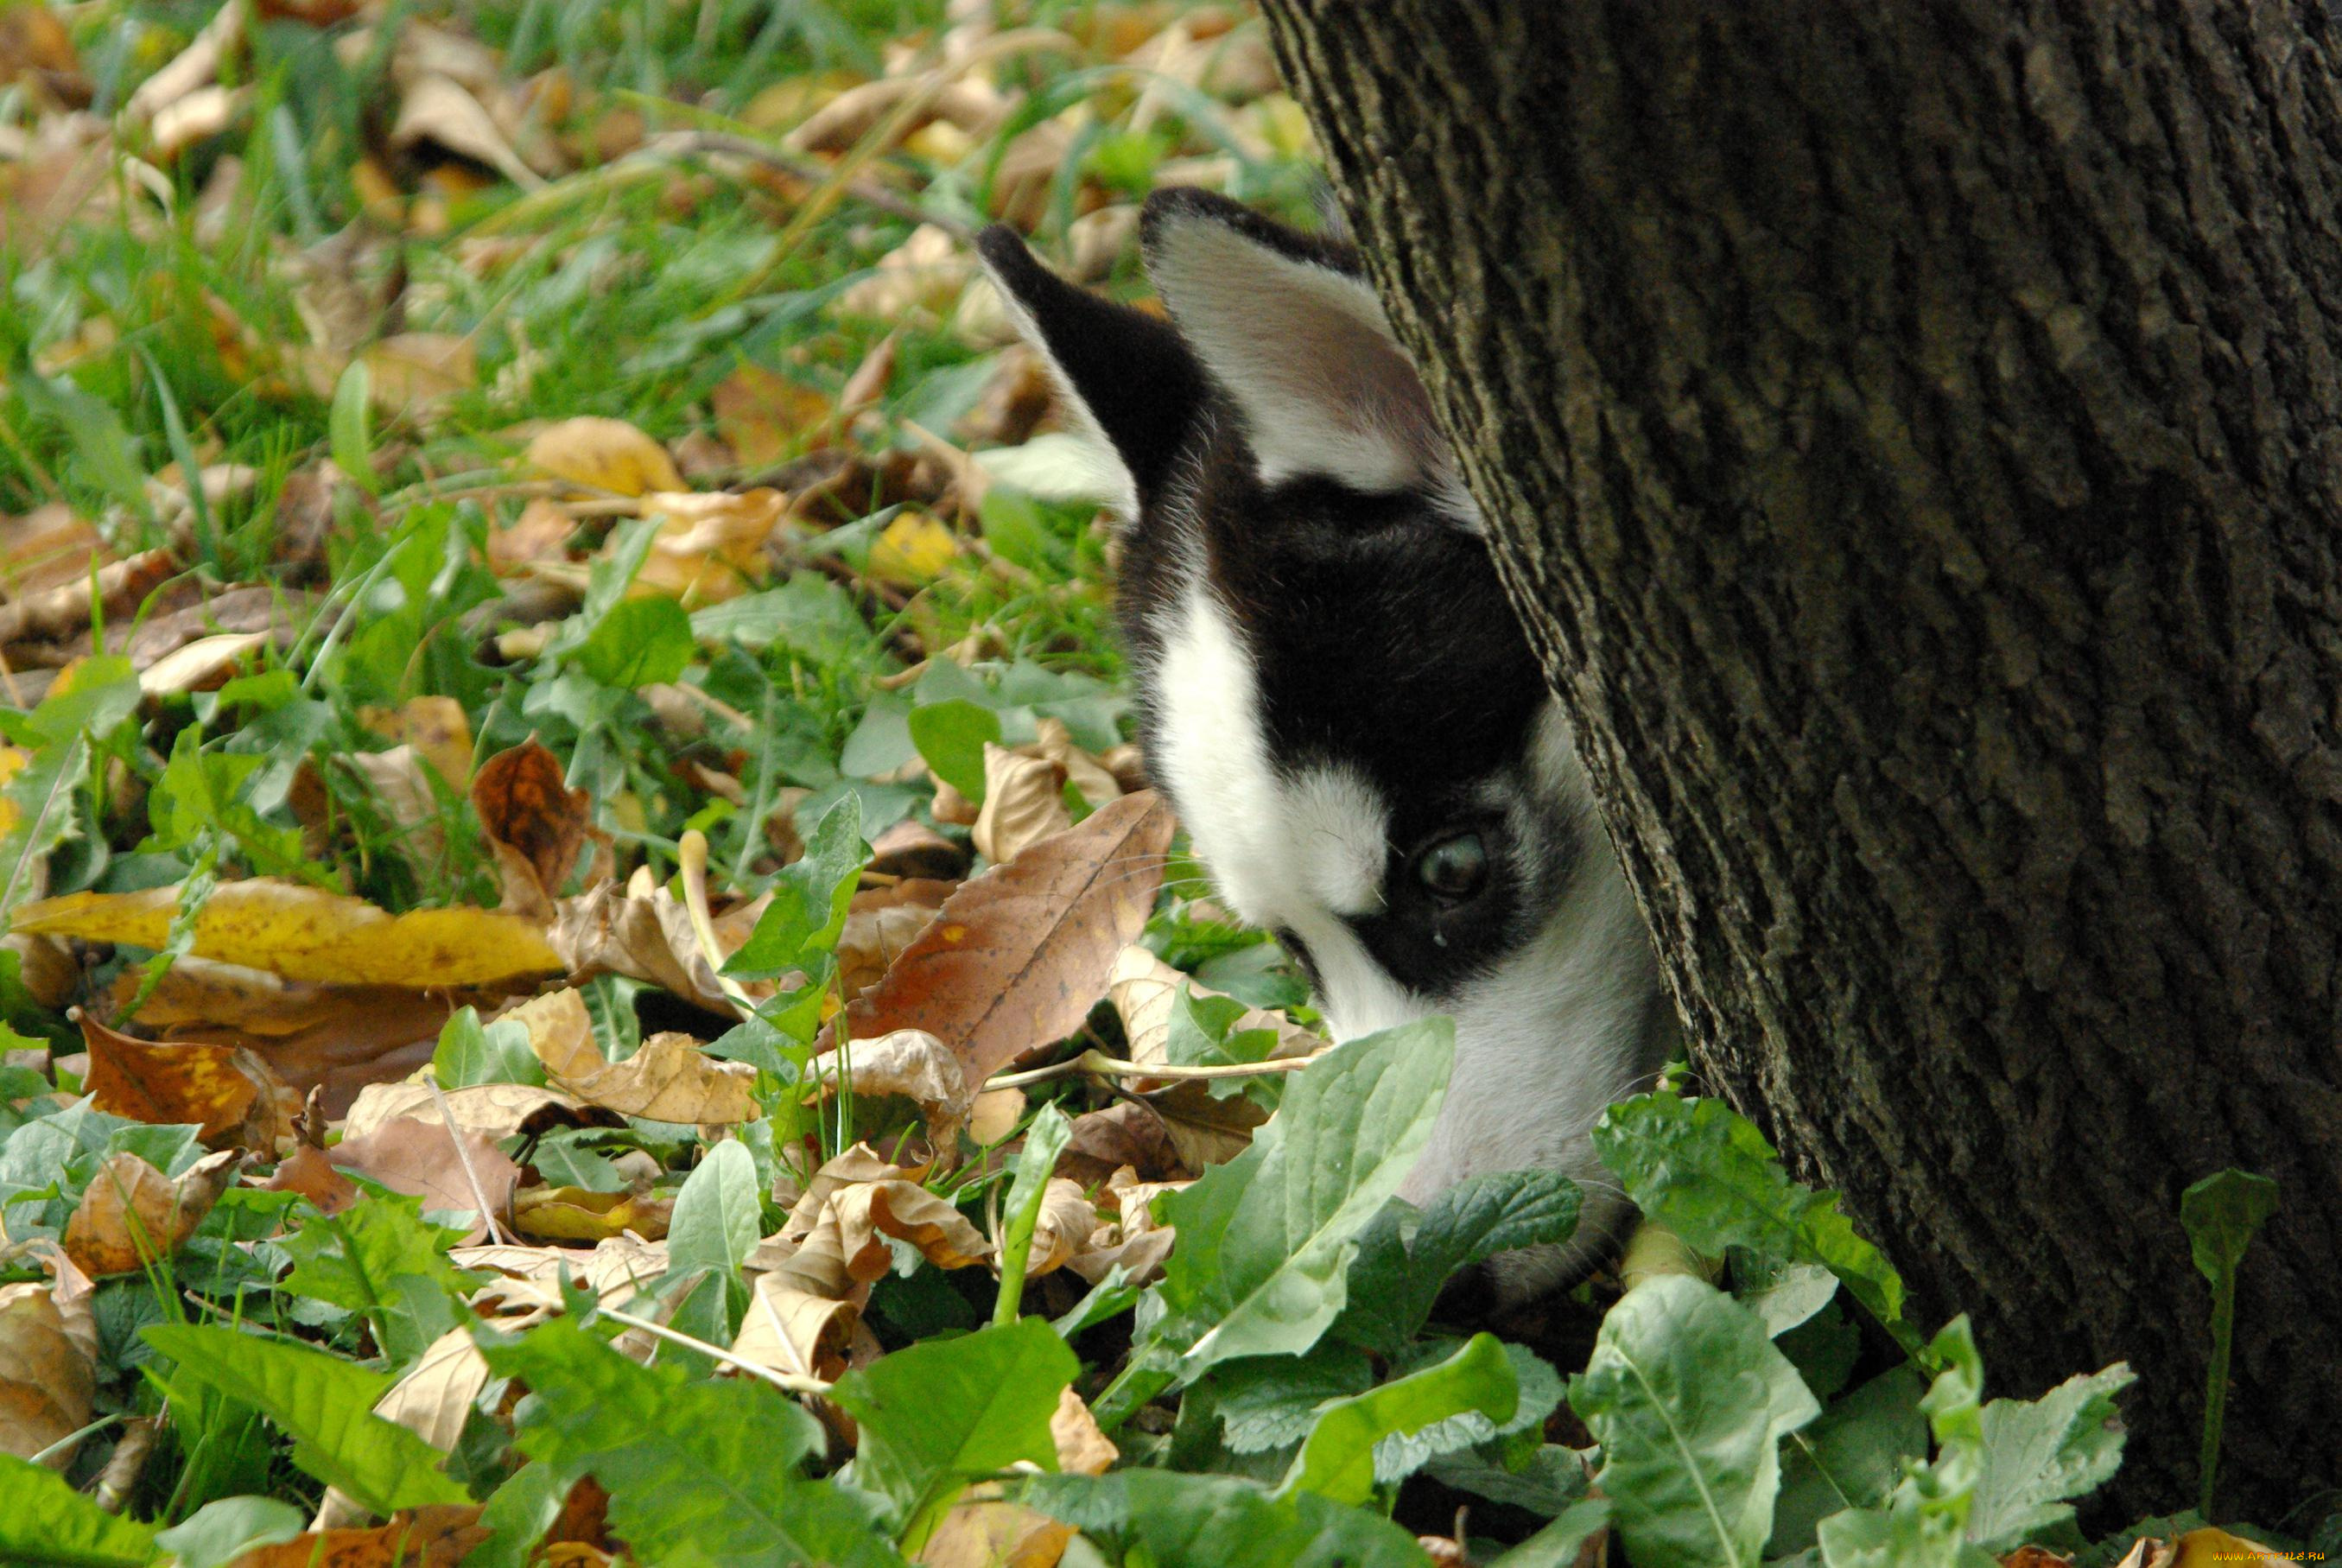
column 1913, row 436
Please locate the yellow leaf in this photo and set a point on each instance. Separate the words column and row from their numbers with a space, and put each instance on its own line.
column 914, row 549
column 303, row 934
column 606, row 453
column 764, row 415
column 415, row 373
column 12, row 763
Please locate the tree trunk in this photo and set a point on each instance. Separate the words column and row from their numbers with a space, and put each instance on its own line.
column 1910, row 433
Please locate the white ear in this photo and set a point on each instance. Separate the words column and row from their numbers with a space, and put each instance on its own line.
column 1302, row 348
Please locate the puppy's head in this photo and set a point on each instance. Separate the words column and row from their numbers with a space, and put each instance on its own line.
column 1334, row 691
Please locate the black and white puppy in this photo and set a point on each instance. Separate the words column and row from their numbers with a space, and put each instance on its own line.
column 1335, row 693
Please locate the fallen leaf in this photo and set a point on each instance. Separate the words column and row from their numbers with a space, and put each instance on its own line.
column 880, row 926
column 310, row 1172
column 575, row 1215
column 709, row 547
column 535, row 822
column 917, row 853
column 433, row 1397
column 1128, row 1134
column 422, row 1159
column 2205, row 1548
column 48, row 1370
column 435, row 727
column 795, row 1322
column 1082, row 1448
column 496, row 1111
column 925, row 271
column 607, row 454
column 335, row 1039
column 415, row 373
column 1016, row 956
column 1024, row 803
column 643, row 932
column 1145, row 990
column 442, row 113
column 668, row 1079
column 615, row 1269
column 980, row 1531
column 913, row 550
column 132, row 1212
column 439, row 1536
column 1062, row 1227
column 763, row 415
column 914, row 1064
column 306, row 934
column 205, row 664
column 226, row 1091
column 541, row 533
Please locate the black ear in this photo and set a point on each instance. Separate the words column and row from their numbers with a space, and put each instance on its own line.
column 1123, row 377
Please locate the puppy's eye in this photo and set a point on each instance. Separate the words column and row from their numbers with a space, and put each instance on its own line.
column 1455, row 868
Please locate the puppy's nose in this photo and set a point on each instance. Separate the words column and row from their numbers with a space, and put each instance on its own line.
column 1470, row 1297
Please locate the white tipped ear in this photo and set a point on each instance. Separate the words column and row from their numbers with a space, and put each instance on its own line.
column 1302, row 348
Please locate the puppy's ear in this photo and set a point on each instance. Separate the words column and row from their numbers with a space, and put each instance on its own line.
column 1292, row 332
column 1124, row 378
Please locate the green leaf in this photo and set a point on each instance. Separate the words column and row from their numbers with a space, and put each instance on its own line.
column 1044, row 1140
column 2038, row 1454
column 700, row 1474
column 349, row 427
column 1546, row 1482
column 220, row 1532
column 519, row 1512
column 934, row 1413
column 383, row 1258
column 43, row 1521
column 951, row 737
column 1925, row 1521
column 324, row 1403
column 1689, row 1400
column 810, row 897
column 808, row 614
column 639, row 642
column 1338, row 1459
column 1400, row 1455
column 1266, row 1240
column 470, row 1053
column 86, row 704
column 717, row 1214
column 1851, row 1458
column 1398, row 1276
column 1221, row 1522
column 1705, row 1171
column 1270, row 1402
column 2221, row 1213
column 1557, row 1546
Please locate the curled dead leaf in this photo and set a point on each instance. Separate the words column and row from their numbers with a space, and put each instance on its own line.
column 910, row 1062
column 1016, row 956
column 1145, row 990
column 576, row 1214
column 709, row 547
column 132, row 1212
column 433, row 1397
column 306, row 934
column 48, row 1368
column 438, row 1535
column 535, row 823
column 606, row 455
column 310, row 1172
column 792, row 1329
column 226, row 1091
column 668, row 1079
column 643, row 932
column 1062, row 1227
column 1024, row 802
column 496, row 1111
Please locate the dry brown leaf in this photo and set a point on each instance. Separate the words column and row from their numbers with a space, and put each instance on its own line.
column 859, row 1162
column 643, row 932
column 205, row 664
column 535, row 822
column 308, row 1172
column 400, row 780
column 306, row 934
column 577, row 1215
column 434, row 1396
column 496, row 1111
column 561, row 1032
column 1205, row 1131
column 879, row 928
column 792, row 1329
column 1126, row 1133
column 435, row 727
column 2204, row 1548
column 669, row 1079
column 910, row 1062
column 48, row 1368
column 440, row 112
column 133, row 1212
column 1145, row 990
column 763, row 416
column 416, row 372
column 51, row 546
column 917, row 853
column 439, row 1536
column 541, row 533
column 607, row 454
column 981, row 1531
column 1062, row 1228
column 710, row 547
column 615, row 1269
column 908, row 1212
column 1082, row 1448
column 925, row 271
column 1024, row 802
column 1018, row 956
column 226, row 1091
column 422, row 1159
column 333, row 1038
